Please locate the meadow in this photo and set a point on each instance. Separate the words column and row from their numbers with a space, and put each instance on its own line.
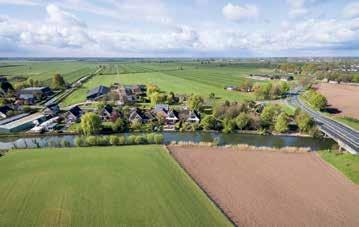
column 348, row 164
column 44, row 70
column 107, row 186
column 180, row 78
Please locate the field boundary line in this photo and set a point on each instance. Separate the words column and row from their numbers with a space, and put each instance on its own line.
column 200, row 187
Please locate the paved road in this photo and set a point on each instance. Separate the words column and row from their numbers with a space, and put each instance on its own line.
column 347, row 137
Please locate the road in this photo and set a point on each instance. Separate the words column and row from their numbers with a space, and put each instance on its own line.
column 345, row 136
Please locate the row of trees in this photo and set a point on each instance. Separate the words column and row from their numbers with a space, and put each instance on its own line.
column 57, row 82
column 247, row 116
column 316, row 99
column 270, row 91
column 113, row 140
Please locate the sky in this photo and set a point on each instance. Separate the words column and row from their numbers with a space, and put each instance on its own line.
column 172, row 28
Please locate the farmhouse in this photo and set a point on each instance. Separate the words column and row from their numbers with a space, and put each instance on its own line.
column 33, row 94
column 97, row 92
column 172, row 117
column 74, row 114
column 23, row 123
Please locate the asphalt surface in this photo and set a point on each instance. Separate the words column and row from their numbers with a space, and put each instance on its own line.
column 337, row 131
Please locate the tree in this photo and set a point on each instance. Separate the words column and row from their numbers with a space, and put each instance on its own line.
column 304, row 121
column 195, row 102
column 268, row 115
column 119, row 125
column 246, row 86
column 90, row 123
column 156, row 98
column 151, row 88
column 158, row 138
column 281, row 124
column 209, row 122
column 171, row 98
column 242, row 120
column 284, row 88
column 228, row 125
column 58, row 82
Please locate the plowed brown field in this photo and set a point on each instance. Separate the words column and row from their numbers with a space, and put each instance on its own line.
column 260, row 188
column 341, row 97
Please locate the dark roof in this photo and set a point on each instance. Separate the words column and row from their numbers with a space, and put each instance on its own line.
column 98, row 91
column 6, row 86
column 76, row 111
column 32, row 90
column 161, row 107
column 5, row 109
column 108, row 108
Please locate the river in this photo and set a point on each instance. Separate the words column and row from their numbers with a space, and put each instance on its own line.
column 254, row 140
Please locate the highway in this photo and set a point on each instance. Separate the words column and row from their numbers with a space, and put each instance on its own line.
column 345, row 136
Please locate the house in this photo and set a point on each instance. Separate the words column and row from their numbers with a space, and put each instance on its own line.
column 161, row 110
column 74, row 114
column 141, row 116
column 4, row 111
column 52, row 109
column 33, row 94
column 172, row 117
column 108, row 113
column 97, row 92
column 189, row 116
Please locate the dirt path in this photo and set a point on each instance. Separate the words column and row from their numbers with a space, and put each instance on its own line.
column 273, row 188
column 341, row 97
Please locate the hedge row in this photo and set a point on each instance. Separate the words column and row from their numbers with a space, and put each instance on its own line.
column 89, row 141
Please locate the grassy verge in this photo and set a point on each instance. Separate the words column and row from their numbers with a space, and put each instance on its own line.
column 346, row 163
column 101, row 186
column 354, row 123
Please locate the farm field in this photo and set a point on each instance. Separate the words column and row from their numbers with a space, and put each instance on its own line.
column 191, row 80
column 342, row 98
column 266, row 188
column 123, row 186
column 44, row 70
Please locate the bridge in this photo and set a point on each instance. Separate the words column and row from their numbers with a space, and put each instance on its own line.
column 346, row 137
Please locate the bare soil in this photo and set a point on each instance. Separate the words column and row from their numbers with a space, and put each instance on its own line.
column 341, row 97
column 264, row 188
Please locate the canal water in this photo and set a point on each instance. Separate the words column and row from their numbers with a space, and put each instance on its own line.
column 224, row 139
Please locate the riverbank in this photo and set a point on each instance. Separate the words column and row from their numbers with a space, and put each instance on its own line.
column 220, row 138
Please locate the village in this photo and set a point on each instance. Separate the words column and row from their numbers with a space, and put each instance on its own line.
column 29, row 109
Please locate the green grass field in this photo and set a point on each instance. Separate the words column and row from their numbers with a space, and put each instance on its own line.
column 354, row 123
column 346, row 163
column 44, row 70
column 106, row 186
column 193, row 79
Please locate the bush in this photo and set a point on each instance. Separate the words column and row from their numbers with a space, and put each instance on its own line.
column 65, row 143
column 121, row 140
column 103, row 141
column 150, row 138
column 114, row 140
column 79, row 142
column 91, row 140
column 158, row 139
column 131, row 140
column 140, row 140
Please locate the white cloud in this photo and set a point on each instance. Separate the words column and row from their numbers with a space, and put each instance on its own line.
column 20, row 2
column 351, row 10
column 300, row 8
column 240, row 12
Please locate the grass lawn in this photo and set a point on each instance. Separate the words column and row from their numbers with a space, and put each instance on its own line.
column 44, row 70
column 106, row 186
column 346, row 163
column 354, row 123
column 202, row 80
